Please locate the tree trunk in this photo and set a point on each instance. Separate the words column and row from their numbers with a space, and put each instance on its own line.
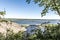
column 57, row 9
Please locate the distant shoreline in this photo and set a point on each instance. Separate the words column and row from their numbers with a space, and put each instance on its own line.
column 30, row 19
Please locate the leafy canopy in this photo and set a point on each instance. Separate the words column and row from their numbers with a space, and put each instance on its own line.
column 2, row 13
column 53, row 5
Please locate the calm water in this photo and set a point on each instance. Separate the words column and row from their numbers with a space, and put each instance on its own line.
column 36, row 21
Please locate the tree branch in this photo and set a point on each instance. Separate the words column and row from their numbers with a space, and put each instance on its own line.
column 56, row 8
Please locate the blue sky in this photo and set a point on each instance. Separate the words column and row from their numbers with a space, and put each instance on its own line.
column 20, row 9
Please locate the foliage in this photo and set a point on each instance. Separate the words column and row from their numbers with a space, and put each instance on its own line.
column 51, row 33
column 53, row 5
column 2, row 37
column 2, row 13
column 14, row 36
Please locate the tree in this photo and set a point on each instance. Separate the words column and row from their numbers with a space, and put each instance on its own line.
column 2, row 13
column 53, row 5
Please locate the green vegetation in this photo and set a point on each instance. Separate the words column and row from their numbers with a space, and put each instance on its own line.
column 2, row 13
column 50, row 33
column 53, row 5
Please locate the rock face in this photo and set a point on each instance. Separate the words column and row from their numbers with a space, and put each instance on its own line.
column 11, row 26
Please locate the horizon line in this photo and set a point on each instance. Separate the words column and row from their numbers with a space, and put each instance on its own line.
column 36, row 18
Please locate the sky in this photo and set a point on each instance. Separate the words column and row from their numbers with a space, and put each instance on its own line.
column 20, row 9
